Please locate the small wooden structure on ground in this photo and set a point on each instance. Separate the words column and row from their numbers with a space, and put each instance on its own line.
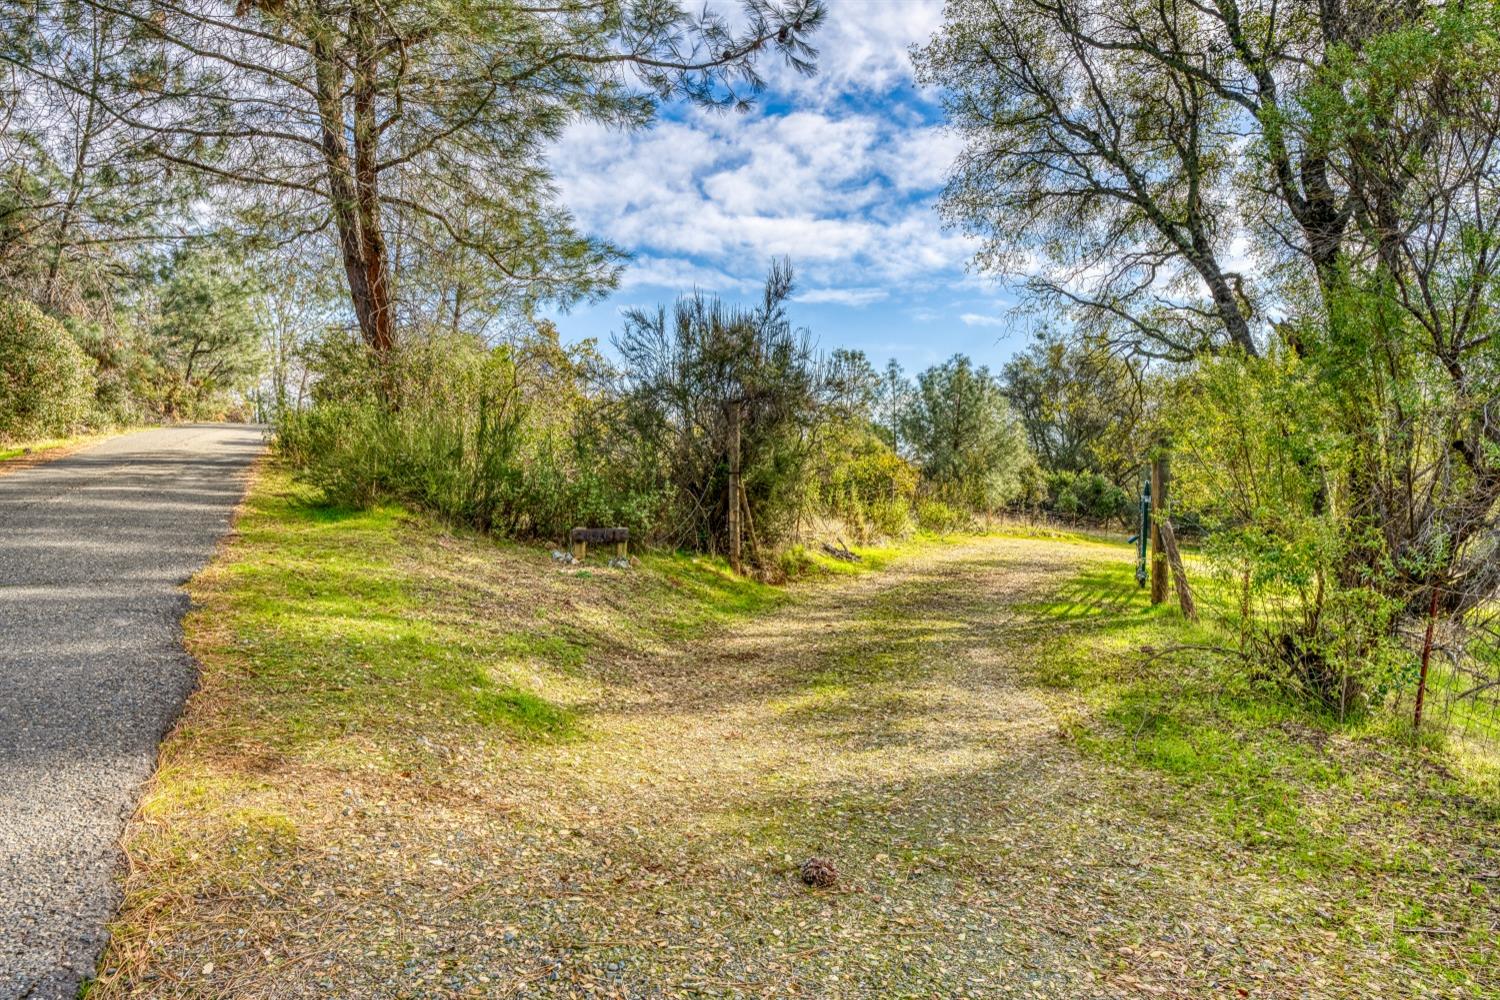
column 579, row 540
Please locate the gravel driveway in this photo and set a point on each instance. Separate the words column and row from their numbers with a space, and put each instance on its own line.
column 93, row 550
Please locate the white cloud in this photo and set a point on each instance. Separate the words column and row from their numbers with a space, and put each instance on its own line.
column 657, row 272
column 980, row 319
column 845, row 296
column 919, row 158
column 843, row 194
column 863, row 47
column 706, row 199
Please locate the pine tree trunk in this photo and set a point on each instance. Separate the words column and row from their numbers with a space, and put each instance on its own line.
column 352, row 183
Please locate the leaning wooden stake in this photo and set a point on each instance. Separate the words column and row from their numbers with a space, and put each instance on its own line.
column 748, row 519
column 1179, row 576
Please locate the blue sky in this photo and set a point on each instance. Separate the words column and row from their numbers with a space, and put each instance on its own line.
column 839, row 172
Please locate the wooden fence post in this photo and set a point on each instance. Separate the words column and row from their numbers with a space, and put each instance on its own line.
column 1161, row 478
column 1179, row 573
column 734, row 486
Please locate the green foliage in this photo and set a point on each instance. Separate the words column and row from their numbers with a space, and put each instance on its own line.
column 1257, row 458
column 206, row 334
column 1353, row 471
column 688, row 376
column 968, row 444
column 941, row 518
column 1086, row 494
column 129, row 384
column 533, row 438
column 447, row 426
column 862, row 482
column 889, row 519
column 1255, row 440
column 46, row 380
column 1084, row 408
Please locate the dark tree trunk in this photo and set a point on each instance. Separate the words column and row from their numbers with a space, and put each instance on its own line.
column 380, row 330
column 352, row 185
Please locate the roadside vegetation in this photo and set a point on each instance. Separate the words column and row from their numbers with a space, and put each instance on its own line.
column 530, row 438
column 1259, row 243
column 24, row 454
column 424, row 762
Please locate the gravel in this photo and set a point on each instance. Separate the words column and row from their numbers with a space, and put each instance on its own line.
column 94, row 548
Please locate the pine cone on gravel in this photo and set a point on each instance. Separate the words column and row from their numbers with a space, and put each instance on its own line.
column 819, row 873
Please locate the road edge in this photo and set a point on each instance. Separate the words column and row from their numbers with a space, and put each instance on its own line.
column 124, row 863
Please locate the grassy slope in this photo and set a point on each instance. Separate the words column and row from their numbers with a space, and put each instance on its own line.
column 387, row 707
column 1391, row 842
column 352, row 647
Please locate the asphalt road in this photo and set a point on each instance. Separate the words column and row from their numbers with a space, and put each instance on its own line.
column 94, row 548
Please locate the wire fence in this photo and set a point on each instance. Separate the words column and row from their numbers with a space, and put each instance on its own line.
column 1462, row 696
column 1463, row 691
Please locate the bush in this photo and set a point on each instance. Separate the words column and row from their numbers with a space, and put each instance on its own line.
column 690, row 375
column 126, row 380
column 1086, row 494
column 46, row 381
column 457, row 438
column 940, row 518
column 890, row 518
column 860, row 480
column 1316, row 598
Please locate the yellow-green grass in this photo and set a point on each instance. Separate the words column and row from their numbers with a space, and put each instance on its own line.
column 16, row 454
column 376, row 660
column 426, row 763
column 1394, row 833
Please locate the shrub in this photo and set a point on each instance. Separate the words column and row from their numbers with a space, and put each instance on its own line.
column 128, row 386
column 940, row 518
column 46, row 381
column 694, row 374
column 1086, row 494
column 890, row 518
column 456, row 437
column 1314, row 595
column 860, row 480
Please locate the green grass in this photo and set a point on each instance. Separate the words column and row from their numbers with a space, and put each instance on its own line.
column 330, row 580
column 1316, row 801
column 411, row 741
column 312, row 577
column 354, row 659
column 705, row 593
column 308, row 576
column 24, row 449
